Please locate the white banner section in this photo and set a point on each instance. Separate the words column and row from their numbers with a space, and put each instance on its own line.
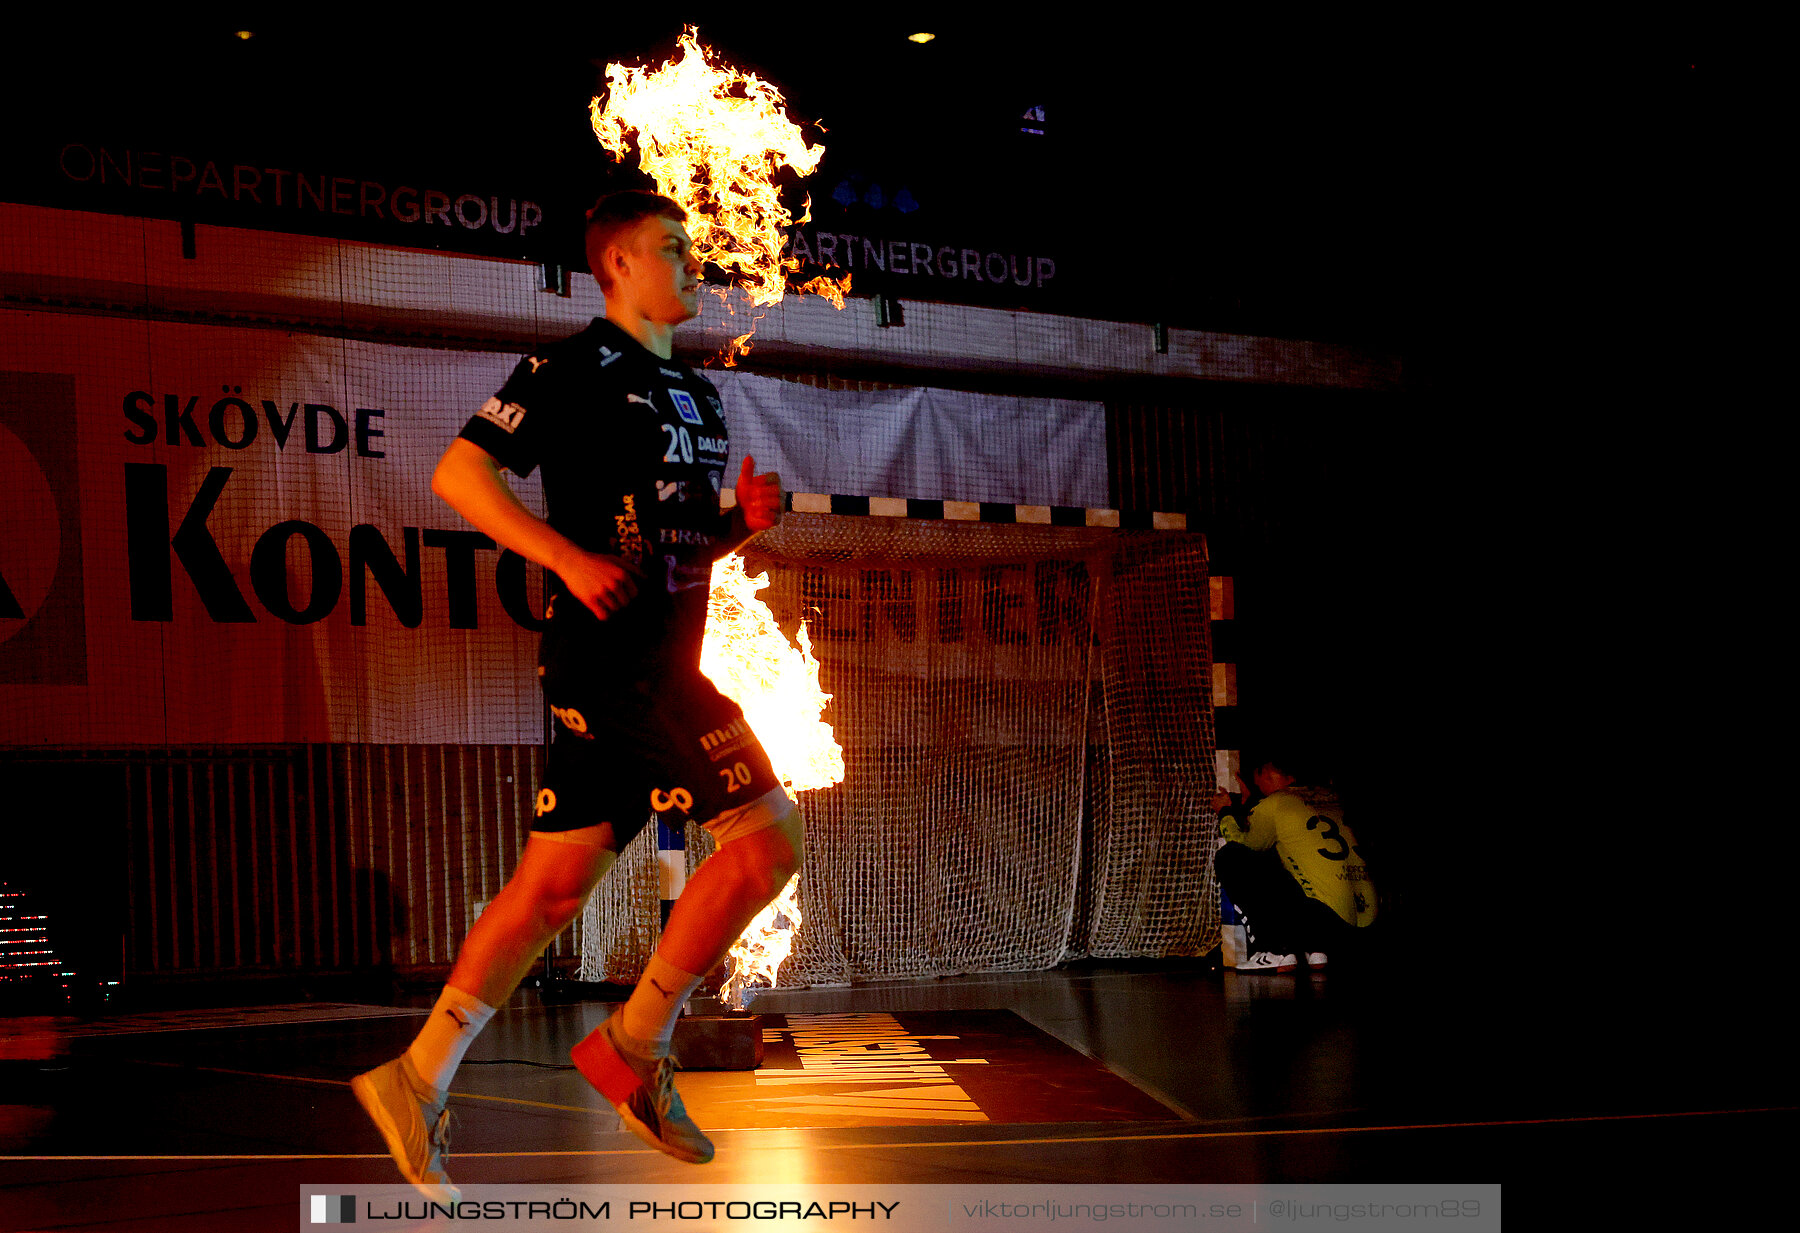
column 931, row 444
column 227, row 535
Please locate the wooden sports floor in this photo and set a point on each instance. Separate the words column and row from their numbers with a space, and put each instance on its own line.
column 1130, row 1072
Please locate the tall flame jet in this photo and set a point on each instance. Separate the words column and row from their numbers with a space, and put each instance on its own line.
column 714, row 139
column 751, row 661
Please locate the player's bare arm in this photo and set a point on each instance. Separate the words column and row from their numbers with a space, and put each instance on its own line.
column 471, row 482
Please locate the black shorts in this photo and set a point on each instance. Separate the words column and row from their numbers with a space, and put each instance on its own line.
column 622, row 750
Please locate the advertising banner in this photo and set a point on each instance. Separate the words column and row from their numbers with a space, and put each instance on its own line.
column 219, row 534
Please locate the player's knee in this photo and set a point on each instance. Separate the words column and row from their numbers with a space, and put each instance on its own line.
column 551, row 903
column 554, row 913
column 555, row 878
column 793, row 829
column 765, row 860
column 530, row 909
column 786, row 850
column 761, row 882
column 764, row 879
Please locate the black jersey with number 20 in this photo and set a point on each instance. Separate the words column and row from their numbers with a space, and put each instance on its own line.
column 633, row 449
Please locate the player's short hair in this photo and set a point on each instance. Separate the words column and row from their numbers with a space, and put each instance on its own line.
column 617, row 213
column 1296, row 757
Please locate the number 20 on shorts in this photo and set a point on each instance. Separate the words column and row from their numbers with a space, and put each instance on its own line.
column 736, row 777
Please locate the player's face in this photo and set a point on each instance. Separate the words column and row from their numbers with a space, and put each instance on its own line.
column 668, row 277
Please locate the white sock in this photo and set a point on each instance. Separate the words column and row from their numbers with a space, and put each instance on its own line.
column 648, row 1020
column 455, row 1022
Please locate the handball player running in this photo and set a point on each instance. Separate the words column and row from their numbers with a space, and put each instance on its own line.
column 633, row 448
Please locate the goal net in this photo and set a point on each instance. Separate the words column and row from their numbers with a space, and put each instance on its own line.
column 1026, row 718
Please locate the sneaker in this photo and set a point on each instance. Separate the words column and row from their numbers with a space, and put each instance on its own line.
column 1315, row 958
column 1268, row 961
column 411, row 1116
column 643, row 1091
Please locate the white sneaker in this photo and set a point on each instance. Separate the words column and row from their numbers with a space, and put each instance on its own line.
column 643, row 1092
column 411, row 1116
column 1315, row 958
column 1268, row 961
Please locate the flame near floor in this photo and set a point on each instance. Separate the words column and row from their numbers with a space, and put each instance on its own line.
column 1097, row 1073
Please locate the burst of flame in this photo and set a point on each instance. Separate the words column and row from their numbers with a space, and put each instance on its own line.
column 738, row 346
column 833, row 289
column 713, row 138
column 751, row 661
column 777, row 684
column 758, row 955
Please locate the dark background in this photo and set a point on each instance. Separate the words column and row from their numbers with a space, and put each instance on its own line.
column 1528, row 215
column 1303, row 178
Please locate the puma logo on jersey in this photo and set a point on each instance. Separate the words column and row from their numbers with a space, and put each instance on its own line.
column 506, row 415
column 639, row 398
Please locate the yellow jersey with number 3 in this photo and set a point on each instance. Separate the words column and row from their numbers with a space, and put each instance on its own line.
column 1306, row 828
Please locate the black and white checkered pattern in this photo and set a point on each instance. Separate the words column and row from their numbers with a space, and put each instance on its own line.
column 978, row 511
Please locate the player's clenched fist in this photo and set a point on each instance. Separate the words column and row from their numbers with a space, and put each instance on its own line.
column 759, row 497
column 604, row 583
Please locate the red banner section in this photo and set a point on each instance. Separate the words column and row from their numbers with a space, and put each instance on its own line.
column 227, row 535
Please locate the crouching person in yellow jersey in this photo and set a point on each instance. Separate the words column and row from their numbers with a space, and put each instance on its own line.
column 1292, row 864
